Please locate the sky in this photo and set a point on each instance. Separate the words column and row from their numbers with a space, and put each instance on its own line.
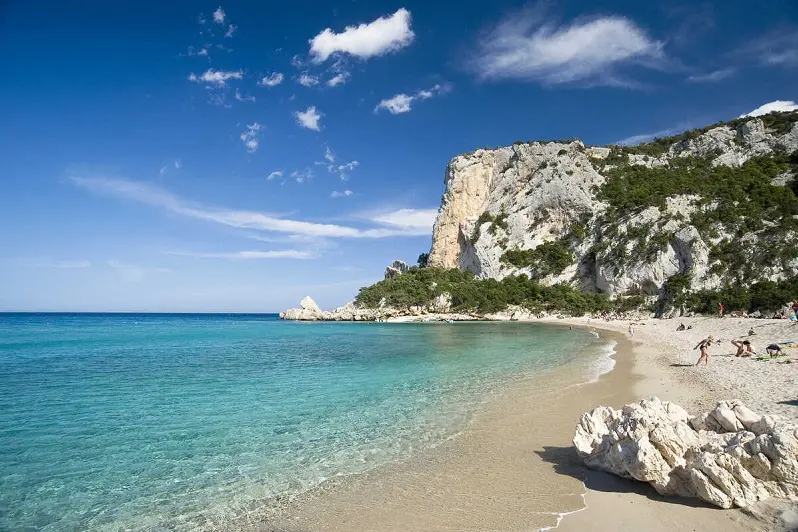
column 189, row 156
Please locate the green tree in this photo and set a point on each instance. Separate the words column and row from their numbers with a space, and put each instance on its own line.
column 423, row 260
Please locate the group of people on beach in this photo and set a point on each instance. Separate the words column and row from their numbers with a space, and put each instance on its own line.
column 743, row 345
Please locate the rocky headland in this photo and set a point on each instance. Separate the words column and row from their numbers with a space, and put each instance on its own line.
column 669, row 227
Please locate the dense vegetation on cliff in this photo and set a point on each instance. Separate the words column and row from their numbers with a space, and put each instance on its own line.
column 420, row 286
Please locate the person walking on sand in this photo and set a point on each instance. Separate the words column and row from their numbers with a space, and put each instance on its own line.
column 720, row 310
column 631, row 330
column 703, row 346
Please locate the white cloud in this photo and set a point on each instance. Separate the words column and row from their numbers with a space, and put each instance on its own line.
column 711, row 77
column 646, row 137
column 402, row 103
column 338, row 79
column 178, row 164
column 216, row 77
column 218, row 15
column 300, row 176
column 418, row 219
column 272, row 80
column 343, row 194
column 297, row 62
column 309, row 118
column 252, row 255
column 306, row 80
column 163, row 169
column 333, row 168
column 231, row 29
column 250, row 137
column 274, row 175
column 404, row 222
column 524, row 46
column 384, row 35
column 132, row 273
column 776, row 49
column 242, row 98
column 202, row 52
column 781, row 106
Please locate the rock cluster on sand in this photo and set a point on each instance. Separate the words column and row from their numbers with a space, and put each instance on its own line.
column 728, row 457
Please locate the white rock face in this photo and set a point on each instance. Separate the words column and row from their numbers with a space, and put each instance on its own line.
column 729, row 457
column 540, row 190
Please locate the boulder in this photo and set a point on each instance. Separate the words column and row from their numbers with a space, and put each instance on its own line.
column 728, row 457
column 397, row 267
column 309, row 305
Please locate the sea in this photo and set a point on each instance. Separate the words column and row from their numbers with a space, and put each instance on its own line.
column 184, row 421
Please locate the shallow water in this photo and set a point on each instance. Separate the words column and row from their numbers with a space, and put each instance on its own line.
column 171, row 421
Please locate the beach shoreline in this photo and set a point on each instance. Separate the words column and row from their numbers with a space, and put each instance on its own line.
column 490, row 476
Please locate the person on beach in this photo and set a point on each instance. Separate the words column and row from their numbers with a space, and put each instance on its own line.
column 720, row 310
column 774, row 350
column 631, row 330
column 703, row 346
column 744, row 348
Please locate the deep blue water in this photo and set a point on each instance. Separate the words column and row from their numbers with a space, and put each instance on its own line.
column 171, row 422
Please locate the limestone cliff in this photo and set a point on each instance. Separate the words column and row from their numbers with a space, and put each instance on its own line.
column 565, row 212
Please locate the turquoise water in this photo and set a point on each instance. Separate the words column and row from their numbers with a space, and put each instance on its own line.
column 175, row 422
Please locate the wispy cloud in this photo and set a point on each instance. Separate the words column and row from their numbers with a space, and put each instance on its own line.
column 781, row 106
column 340, row 169
column 251, row 255
column 306, row 80
column 216, row 78
column 403, row 222
column 201, row 52
column 242, row 98
column 338, row 79
column 231, row 29
column 712, row 77
column 382, row 36
column 341, row 194
column 300, row 176
column 219, row 15
column 417, row 219
column 272, row 80
column 646, row 137
column 277, row 174
column 402, row 103
column 132, row 273
column 250, row 137
column 778, row 48
column 309, row 118
column 527, row 46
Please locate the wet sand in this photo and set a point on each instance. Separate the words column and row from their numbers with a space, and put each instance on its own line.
column 513, row 468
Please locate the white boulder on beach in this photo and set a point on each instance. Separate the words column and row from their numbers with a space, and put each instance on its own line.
column 728, row 457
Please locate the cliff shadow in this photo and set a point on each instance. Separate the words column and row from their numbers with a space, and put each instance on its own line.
column 567, row 462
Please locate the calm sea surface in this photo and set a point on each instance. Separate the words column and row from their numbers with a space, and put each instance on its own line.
column 171, row 422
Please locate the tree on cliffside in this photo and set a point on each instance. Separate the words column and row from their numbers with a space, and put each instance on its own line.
column 422, row 260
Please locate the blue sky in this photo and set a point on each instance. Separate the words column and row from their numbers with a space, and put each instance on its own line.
column 191, row 156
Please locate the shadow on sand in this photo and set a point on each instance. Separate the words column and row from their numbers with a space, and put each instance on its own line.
column 567, row 462
column 791, row 402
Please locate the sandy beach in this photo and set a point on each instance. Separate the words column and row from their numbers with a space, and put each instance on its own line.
column 514, row 467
